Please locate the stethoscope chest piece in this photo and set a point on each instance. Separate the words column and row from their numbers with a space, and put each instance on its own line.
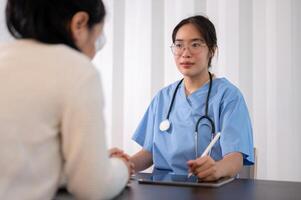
column 164, row 125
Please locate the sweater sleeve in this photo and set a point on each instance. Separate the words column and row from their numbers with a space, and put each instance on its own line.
column 90, row 173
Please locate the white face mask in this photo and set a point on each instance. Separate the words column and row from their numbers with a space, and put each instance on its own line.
column 100, row 42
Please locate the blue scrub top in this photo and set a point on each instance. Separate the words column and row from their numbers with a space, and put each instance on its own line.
column 172, row 149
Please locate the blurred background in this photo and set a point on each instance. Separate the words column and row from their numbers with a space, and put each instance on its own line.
column 259, row 50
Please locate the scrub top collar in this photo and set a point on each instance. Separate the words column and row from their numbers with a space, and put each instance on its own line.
column 196, row 101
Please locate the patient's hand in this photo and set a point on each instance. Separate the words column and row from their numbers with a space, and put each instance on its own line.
column 118, row 153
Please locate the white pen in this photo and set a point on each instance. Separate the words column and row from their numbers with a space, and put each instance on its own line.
column 213, row 141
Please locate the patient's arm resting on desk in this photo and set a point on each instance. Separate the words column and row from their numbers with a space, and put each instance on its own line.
column 207, row 169
column 142, row 160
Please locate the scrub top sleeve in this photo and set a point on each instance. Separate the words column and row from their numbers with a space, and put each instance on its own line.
column 144, row 133
column 236, row 129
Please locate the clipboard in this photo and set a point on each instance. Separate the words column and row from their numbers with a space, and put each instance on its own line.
column 182, row 180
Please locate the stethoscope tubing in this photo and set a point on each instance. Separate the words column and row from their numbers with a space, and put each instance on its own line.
column 206, row 116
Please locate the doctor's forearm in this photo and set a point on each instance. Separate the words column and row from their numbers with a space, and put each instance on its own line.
column 142, row 160
column 230, row 165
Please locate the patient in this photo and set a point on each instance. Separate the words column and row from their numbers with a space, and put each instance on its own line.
column 52, row 104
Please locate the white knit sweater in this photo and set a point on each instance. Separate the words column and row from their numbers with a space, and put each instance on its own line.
column 51, row 122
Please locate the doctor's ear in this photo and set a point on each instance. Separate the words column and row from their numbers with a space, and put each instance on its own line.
column 212, row 52
column 79, row 25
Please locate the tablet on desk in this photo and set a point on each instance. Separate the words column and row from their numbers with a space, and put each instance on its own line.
column 182, row 180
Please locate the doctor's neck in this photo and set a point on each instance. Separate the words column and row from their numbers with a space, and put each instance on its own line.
column 194, row 83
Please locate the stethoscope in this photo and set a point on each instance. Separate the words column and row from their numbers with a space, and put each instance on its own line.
column 165, row 124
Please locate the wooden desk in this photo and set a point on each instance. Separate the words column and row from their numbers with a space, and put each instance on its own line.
column 240, row 189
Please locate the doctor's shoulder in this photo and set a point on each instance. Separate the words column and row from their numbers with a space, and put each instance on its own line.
column 167, row 92
column 163, row 96
column 227, row 90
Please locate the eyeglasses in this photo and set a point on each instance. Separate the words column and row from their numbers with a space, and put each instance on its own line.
column 194, row 47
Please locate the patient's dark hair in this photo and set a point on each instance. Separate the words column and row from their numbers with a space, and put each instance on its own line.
column 48, row 20
column 206, row 29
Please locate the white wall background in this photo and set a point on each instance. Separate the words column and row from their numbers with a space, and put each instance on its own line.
column 4, row 36
column 259, row 51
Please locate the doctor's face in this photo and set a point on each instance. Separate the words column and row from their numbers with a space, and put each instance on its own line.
column 191, row 52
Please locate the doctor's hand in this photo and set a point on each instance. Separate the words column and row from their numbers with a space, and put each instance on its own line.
column 204, row 168
column 118, row 153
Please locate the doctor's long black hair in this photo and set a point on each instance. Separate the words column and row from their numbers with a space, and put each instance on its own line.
column 48, row 20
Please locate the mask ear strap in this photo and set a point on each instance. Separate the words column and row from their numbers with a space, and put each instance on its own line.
column 100, row 42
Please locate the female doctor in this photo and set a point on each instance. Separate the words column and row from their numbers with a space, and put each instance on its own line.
column 183, row 117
